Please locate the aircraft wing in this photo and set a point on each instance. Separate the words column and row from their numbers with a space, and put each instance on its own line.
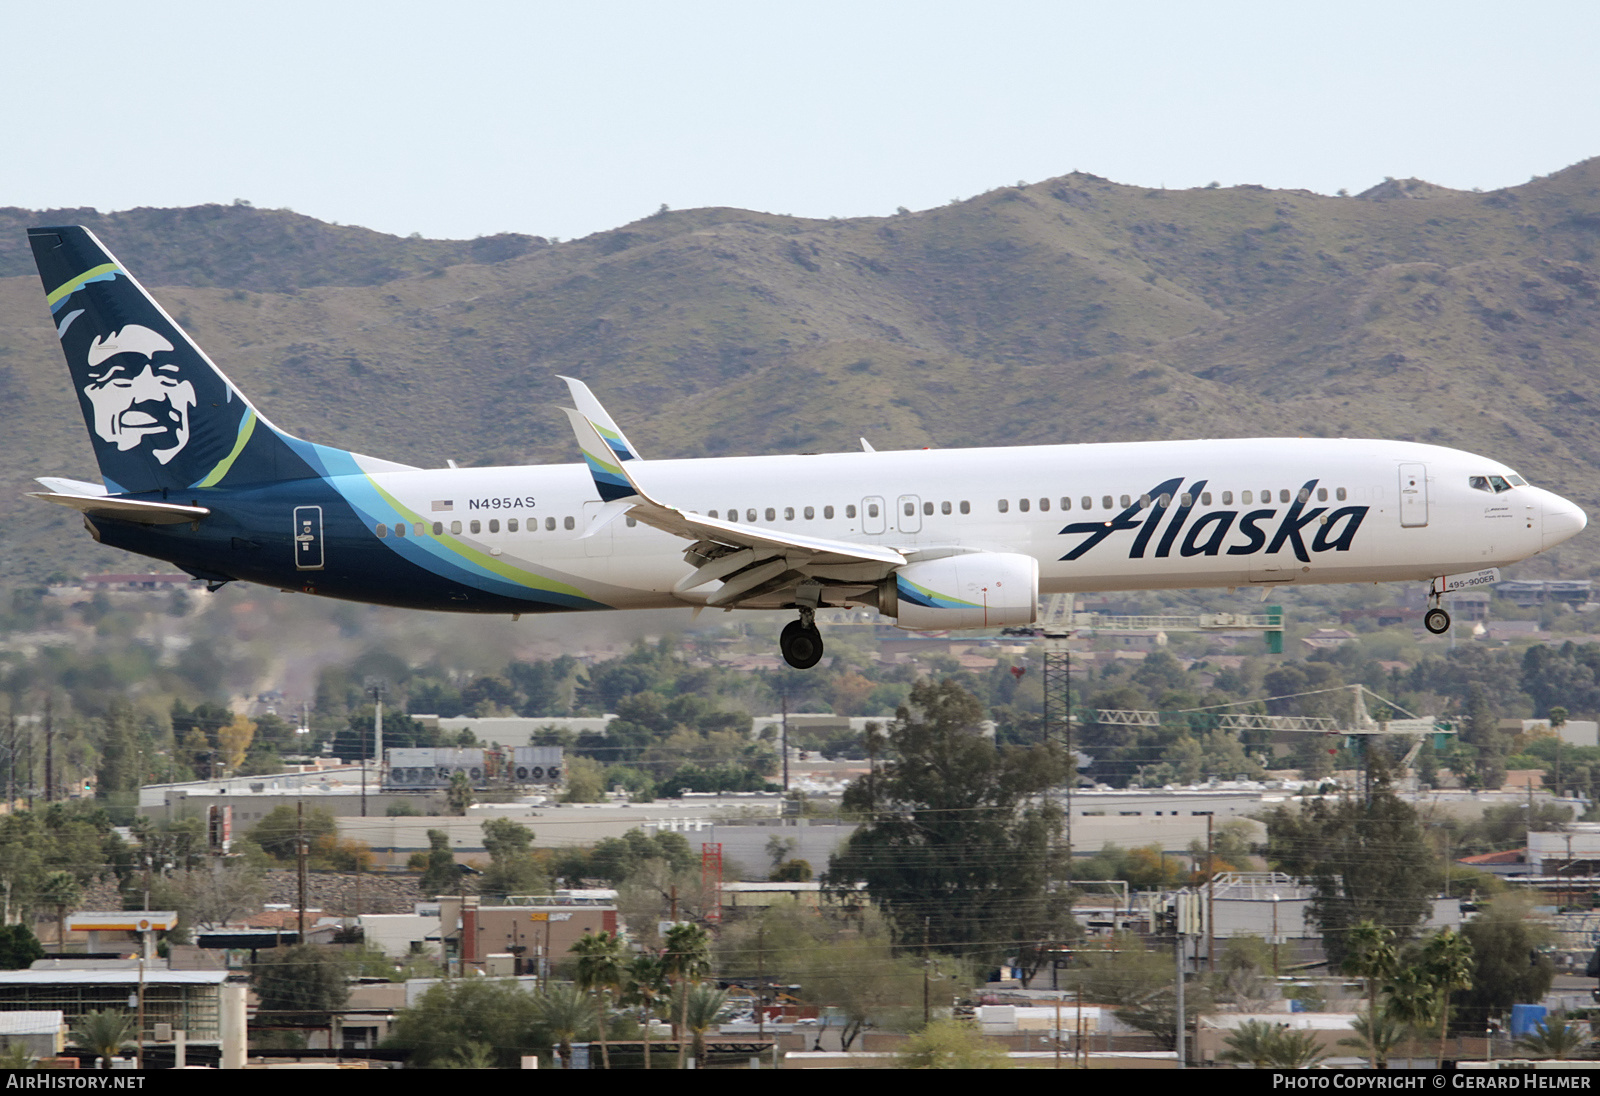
column 751, row 561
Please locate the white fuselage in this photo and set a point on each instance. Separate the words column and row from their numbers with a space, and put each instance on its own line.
column 1238, row 512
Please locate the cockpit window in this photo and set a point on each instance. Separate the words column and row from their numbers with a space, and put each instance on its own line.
column 1516, row 480
column 1492, row 484
column 1499, row 484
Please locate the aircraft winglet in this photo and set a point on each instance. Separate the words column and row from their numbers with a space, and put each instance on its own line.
column 603, row 423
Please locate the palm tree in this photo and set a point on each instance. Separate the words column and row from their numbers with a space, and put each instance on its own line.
column 1371, row 957
column 567, row 1011
column 1295, row 1050
column 62, row 890
column 1376, row 1036
column 105, row 1032
column 1447, row 963
column 1251, row 1042
column 1413, row 1000
column 704, row 1008
column 645, row 981
column 1554, row 1038
column 601, row 967
column 688, row 959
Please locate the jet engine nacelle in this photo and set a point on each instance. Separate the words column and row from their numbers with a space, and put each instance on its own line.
column 975, row 590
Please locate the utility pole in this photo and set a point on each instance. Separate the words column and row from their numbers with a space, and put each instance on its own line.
column 49, row 750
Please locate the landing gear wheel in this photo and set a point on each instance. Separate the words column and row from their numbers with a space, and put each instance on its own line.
column 801, row 644
column 1436, row 621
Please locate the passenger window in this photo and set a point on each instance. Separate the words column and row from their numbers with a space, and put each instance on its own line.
column 494, row 527
column 1126, row 502
column 438, row 531
column 1166, row 501
column 810, row 513
column 455, row 531
column 1022, row 504
column 713, row 514
column 633, row 523
column 1105, row 503
column 850, row 512
column 750, row 516
column 1005, row 507
column 477, row 527
column 927, row 510
column 772, row 515
column 1205, row 500
column 400, row 531
column 1144, row 500
column 872, row 512
column 1088, row 504
column 944, row 508
column 420, row 528
column 1066, row 504
column 1227, row 500
column 550, row 525
column 1245, row 498
column 568, row 523
column 827, row 514
column 1184, row 499
column 383, row 534
column 511, row 527
column 1283, row 496
column 966, row 508
column 911, row 512
column 788, row 515
column 1303, row 495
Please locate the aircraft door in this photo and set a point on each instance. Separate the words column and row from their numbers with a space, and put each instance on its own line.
column 873, row 519
column 1413, row 495
column 308, row 538
column 909, row 519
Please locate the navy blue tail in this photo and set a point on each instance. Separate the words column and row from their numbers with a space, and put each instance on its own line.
column 161, row 416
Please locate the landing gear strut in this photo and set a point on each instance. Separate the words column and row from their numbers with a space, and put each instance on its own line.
column 800, row 641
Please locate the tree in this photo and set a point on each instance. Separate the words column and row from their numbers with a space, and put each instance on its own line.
column 1367, row 860
column 303, row 979
column 952, row 1044
column 1554, row 1038
column 1371, row 956
column 459, row 795
column 646, row 982
column 1377, row 1036
column 686, row 958
column 61, row 890
column 278, row 832
column 440, row 876
column 568, row 1013
column 705, row 1007
column 1447, row 962
column 1263, row 1046
column 454, row 1015
column 1508, row 967
column 19, row 947
column 601, row 968
column 105, row 1031
column 513, row 869
column 957, row 845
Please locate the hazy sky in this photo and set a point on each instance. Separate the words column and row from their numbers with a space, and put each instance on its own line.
column 563, row 119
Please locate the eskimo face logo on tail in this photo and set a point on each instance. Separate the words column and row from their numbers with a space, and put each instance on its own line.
column 138, row 400
column 1301, row 530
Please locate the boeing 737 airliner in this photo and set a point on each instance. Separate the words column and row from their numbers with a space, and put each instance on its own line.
column 937, row 539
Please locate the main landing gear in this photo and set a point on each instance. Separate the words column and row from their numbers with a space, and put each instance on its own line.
column 800, row 641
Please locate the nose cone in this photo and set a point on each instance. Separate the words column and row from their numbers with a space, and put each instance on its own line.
column 1563, row 520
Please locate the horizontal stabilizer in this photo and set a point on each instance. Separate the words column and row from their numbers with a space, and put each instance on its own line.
column 134, row 510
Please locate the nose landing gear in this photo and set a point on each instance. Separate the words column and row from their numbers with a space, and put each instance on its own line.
column 800, row 641
column 1436, row 620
